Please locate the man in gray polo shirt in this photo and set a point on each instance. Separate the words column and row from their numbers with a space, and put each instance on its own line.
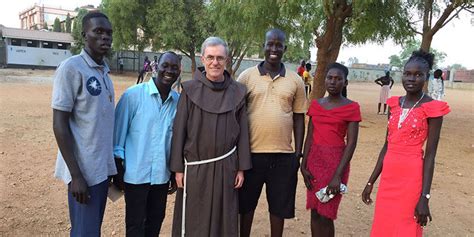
column 83, row 123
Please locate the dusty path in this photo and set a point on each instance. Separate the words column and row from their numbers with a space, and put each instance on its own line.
column 33, row 203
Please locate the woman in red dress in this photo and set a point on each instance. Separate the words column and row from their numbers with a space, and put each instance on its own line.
column 401, row 207
column 326, row 156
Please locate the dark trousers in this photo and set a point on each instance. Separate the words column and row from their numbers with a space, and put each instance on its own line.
column 86, row 219
column 145, row 207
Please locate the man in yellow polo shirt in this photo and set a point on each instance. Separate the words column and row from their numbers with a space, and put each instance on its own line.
column 276, row 105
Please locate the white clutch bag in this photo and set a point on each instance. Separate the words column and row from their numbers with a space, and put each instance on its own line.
column 323, row 197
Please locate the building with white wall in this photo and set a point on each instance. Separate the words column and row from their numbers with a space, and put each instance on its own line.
column 33, row 47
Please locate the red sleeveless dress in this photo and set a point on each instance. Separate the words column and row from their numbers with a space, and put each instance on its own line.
column 329, row 132
column 402, row 173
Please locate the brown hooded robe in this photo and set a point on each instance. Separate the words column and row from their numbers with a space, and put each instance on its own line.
column 210, row 120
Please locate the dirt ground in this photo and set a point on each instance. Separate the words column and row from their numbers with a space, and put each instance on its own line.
column 33, row 203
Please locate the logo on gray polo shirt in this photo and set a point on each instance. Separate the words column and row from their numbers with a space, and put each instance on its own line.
column 93, row 86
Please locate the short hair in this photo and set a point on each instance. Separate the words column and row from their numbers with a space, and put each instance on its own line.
column 438, row 73
column 308, row 66
column 214, row 41
column 90, row 15
column 276, row 31
column 170, row 52
column 423, row 57
column 339, row 66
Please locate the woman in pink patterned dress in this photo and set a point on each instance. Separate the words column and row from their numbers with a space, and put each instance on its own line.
column 401, row 207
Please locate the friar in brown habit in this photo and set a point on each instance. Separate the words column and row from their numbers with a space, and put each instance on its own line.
column 210, row 148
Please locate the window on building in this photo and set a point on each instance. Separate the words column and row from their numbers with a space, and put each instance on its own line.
column 47, row 44
column 16, row 42
column 63, row 46
column 32, row 43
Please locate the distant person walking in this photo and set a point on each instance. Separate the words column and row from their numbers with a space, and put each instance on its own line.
column 436, row 85
column 386, row 83
column 83, row 124
column 146, row 68
column 120, row 61
column 301, row 68
column 307, row 79
column 154, row 66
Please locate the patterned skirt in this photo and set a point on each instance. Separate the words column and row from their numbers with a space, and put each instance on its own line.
column 322, row 162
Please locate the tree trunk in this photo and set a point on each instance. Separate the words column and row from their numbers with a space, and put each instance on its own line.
column 328, row 46
column 239, row 61
column 426, row 42
column 228, row 66
column 426, row 46
column 192, row 55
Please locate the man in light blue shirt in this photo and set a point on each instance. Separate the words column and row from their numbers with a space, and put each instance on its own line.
column 142, row 141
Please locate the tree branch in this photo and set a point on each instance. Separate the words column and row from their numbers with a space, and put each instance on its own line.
column 413, row 29
column 427, row 7
column 239, row 60
column 454, row 15
column 185, row 53
column 440, row 22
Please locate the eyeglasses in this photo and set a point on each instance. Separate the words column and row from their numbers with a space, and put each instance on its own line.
column 220, row 59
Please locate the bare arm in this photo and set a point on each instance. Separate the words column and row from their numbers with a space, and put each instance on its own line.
column 62, row 132
column 376, row 172
column 298, row 128
column 422, row 211
column 378, row 81
column 392, row 82
column 307, row 176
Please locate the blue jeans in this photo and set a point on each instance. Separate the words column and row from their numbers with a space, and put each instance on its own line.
column 86, row 219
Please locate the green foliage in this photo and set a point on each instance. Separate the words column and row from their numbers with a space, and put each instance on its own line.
column 434, row 15
column 376, row 21
column 181, row 25
column 300, row 19
column 68, row 23
column 456, row 66
column 57, row 25
column 371, row 20
column 129, row 23
column 410, row 46
column 396, row 61
column 352, row 60
column 243, row 25
column 297, row 50
column 77, row 32
column 45, row 25
column 163, row 24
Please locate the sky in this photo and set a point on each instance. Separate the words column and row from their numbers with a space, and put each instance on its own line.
column 456, row 39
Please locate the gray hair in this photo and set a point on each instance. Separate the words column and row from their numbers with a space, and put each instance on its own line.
column 214, row 41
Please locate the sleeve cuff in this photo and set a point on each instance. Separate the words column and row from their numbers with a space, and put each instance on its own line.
column 119, row 152
column 62, row 108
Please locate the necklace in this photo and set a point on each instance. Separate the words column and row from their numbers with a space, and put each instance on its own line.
column 405, row 112
column 105, row 84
